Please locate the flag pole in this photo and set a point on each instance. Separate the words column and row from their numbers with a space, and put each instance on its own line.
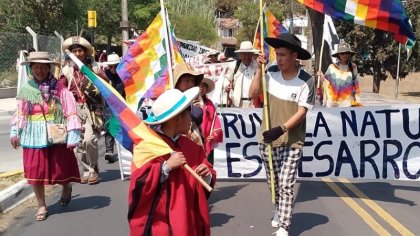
column 397, row 80
column 167, row 44
column 265, row 105
column 318, row 84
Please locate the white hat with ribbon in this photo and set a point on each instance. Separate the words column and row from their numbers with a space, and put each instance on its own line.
column 171, row 103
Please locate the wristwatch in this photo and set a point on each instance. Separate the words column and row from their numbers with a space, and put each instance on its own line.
column 283, row 128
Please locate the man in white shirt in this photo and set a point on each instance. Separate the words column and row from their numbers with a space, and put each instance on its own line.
column 243, row 75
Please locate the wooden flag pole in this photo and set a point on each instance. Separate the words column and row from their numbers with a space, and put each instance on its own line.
column 397, row 80
column 265, row 106
column 167, row 44
column 197, row 177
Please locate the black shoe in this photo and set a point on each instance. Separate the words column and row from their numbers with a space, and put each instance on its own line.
column 111, row 158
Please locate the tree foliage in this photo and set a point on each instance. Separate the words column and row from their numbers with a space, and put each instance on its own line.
column 248, row 14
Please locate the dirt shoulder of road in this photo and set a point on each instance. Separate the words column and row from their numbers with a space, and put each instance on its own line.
column 409, row 87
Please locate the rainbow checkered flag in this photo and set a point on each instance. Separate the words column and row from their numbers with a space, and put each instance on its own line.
column 272, row 28
column 386, row 15
column 126, row 128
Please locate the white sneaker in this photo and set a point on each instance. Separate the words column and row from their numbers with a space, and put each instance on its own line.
column 275, row 223
column 282, row 232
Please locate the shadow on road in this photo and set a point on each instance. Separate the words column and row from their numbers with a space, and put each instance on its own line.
column 305, row 221
column 80, row 204
column 377, row 191
column 224, row 193
column 110, row 175
column 219, row 219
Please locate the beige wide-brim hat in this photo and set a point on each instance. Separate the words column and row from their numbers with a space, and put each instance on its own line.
column 246, row 46
column 210, row 84
column 76, row 40
column 169, row 104
column 182, row 69
column 343, row 47
column 112, row 59
column 38, row 57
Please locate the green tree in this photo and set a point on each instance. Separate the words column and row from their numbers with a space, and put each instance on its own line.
column 248, row 14
column 194, row 28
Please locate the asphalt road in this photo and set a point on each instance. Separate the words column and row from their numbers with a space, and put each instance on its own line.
column 10, row 159
column 242, row 208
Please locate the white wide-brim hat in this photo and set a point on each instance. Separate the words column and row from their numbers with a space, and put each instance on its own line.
column 246, row 46
column 76, row 40
column 38, row 57
column 171, row 103
column 112, row 59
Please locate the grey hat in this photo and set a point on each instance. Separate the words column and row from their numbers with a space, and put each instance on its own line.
column 343, row 47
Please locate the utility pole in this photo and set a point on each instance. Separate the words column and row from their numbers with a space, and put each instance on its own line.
column 124, row 25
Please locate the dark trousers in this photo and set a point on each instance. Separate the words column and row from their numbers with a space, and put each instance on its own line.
column 109, row 140
column 109, row 143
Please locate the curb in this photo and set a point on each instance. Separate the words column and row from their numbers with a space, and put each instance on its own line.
column 10, row 173
column 15, row 195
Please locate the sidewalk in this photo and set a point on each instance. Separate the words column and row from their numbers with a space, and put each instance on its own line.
column 7, row 107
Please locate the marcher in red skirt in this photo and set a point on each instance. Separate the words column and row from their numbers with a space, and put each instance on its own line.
column 47, row 160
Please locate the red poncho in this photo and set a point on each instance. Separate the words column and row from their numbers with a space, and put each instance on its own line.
column 178, row 205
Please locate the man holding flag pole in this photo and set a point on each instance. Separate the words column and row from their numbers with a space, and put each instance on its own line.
column 290, row 93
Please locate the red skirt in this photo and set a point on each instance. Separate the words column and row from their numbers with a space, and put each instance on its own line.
column 51, row 165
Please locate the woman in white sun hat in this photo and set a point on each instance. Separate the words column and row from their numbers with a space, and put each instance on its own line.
column 164, row 199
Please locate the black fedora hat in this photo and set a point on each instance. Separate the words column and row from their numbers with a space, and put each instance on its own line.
column 289, row 40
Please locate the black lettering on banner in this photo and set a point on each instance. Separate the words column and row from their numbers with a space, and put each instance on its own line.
column 257, row 118
column 321, row 122
column 387, row 113
column 369, row 119
column 405, row 161
column 303, row 159
column 230, row 159
column 368, row 158
column 324, row 157
column 230, row 124
column 406, row 124
column 352, row 123
column 344, row 156
column 244, row 125
column 390, row 158
column 252, row 157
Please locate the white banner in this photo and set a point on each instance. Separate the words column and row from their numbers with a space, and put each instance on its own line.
column 364, row 143
column 191, row 48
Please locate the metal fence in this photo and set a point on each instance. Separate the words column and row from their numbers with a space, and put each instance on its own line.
column 13, row 42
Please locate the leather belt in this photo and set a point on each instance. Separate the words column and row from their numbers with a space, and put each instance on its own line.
column 246, row 99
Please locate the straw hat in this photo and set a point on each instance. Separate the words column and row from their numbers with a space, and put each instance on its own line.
column 112, row 59
column 289, row 40
column 343, row 47
column 171, row 103
column 182, row 69
column 38, row 57
column 76, row 40
column 246, row 46
column 210, row 84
